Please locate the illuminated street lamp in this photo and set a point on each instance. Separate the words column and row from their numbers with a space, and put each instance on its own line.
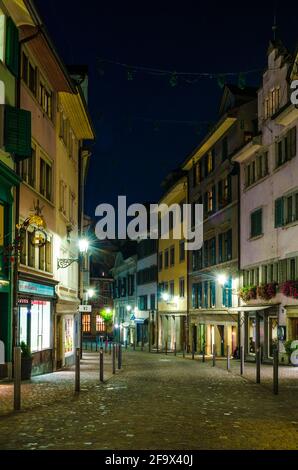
column 83, row 245
column 222, row 279
column 165, row 296
column 108, row 310
column 90, row 293
column 128, row 308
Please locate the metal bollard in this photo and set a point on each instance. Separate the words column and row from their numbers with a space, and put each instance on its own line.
column 258, row 365
column 77, row 370
column 228, row 359
column 119, row 356
column 213, row 355
column 175, row 348
column 166, row 345
column 126, row 344
column 101, row 364
column 114, row 359
column 117, row 347
column 241, row 360
column 203, row 355
column 275, row 372
column 134, row 344
column 110, row 348
column 183, row 349
column 106, row 346
column 17, row 378
column 193, row 350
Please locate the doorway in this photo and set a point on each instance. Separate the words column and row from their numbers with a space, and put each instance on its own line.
column 221, row 330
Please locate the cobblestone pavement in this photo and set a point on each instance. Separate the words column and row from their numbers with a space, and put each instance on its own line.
column 154, row 402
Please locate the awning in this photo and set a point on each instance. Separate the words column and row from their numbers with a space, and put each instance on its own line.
column 214, row 318
column 250, row 308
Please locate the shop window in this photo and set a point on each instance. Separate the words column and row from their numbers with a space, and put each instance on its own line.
column 68, row 335
column 40, row 325
column 100, row 324
column 251, row 336
column 272, row 335
column 86, row 323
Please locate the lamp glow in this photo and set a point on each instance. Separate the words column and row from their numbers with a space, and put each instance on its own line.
column 222, row 279
column 128, row 308
column 90, row 293
column 83, row 245
column 108, row 310
column 165, row 296
column 176, row 299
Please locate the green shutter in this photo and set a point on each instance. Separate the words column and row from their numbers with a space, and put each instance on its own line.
column 12, row 47
column 17, row 132
column 279, row 212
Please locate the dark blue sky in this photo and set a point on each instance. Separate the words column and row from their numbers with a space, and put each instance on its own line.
column 129, row 156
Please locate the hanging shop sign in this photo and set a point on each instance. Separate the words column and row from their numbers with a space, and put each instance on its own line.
column 85, row 308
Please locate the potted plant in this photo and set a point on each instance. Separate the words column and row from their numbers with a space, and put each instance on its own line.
column 26, row 362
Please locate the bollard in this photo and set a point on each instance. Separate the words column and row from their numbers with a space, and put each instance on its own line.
column 213, row 355
column 106, row 346
column 117, row 348
column 17, row 378
column 166, row 346
column 126, row 344
column 203, row 355
column 134, row 344
column 110, row 348
column 77, row 370
column 175, row 348
column 241, row 360
column 183, row 349
column 101, row 365
column 193, row 350
column 114, row 359
column 228, row 359
column 258, row 365
column 119, row 357
column 275, row 372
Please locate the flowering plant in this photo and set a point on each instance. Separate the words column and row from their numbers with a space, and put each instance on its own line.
column 267, row 291
column 248, row 293
column 289, row 288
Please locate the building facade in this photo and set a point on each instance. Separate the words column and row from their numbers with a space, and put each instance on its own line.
column 213, row 182
column 98, row 322
column 171, row 328
column 145, row 316
column 125, row 295
column 269, row 211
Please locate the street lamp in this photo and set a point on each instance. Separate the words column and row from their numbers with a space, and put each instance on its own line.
column 90, row 293
column 165, row 296
column 222, row 279
column 128, row 308
column 83, row 245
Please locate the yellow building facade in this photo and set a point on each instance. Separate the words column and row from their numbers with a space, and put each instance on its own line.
column 172, row 273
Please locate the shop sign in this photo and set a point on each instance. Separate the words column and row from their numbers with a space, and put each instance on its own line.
column 37, row 289
column 294, row 355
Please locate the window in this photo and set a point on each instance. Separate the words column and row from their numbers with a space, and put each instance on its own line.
column 166, row 258
column 86, row 322
column 143, row 302
column 286, row 210
column 172, row 256
column 12, row 47
column 45, row 99
column 29, row 73
column 62, row 197
column 285, row 149
column 256, row 169
column 172, row 289
column 272, row 102
column 292, row 269
column 256, row 223
column 45, row 182
column 197, row 259
column 40, row 325
column 181, row 250
column 197, row 173
column 27, row 168
column 68, row 334
column 72, row 199
column 64, row 129
column 181, row 287
column 224, row 192
column 152, row 301
column 160, row 261
column 210, row 161
column 100, row 324
column 197, row 295
column 225, row 246
column 227, row 293
column 210, row 201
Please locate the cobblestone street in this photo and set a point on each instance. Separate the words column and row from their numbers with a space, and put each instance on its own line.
column 154, row 402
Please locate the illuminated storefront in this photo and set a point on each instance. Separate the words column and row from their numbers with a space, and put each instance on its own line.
column 35, row 308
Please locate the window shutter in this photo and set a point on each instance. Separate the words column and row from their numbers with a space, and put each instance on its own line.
column 229, row 244
column 223, row 296
column 200, row 295
column 229, row 293
column 279, row 212
column 214, row 198
column 12, row 47
column 206, row 294
column 194, row 297
column 293, row 142
column 213, row 293
column 17, row 132
column 213, row 251
column 220, row 240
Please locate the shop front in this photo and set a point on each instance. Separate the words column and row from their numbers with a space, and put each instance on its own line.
column 219, row 330
column 172, row 330
column 35, row 314
column 259, row 328
column 67, row 327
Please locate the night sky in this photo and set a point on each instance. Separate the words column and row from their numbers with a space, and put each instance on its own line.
column 133, row 152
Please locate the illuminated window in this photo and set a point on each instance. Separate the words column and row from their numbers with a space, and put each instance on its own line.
column 68, row 335
column 40, row 325
column 45, row 99
column 100, row 324
column 86, row 322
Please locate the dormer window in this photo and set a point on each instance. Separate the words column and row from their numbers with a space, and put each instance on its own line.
column 272, row 102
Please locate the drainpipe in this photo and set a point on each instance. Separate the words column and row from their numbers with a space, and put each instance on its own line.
column 239, row 251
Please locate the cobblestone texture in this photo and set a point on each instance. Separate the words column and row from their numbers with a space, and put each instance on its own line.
column 154, row 402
